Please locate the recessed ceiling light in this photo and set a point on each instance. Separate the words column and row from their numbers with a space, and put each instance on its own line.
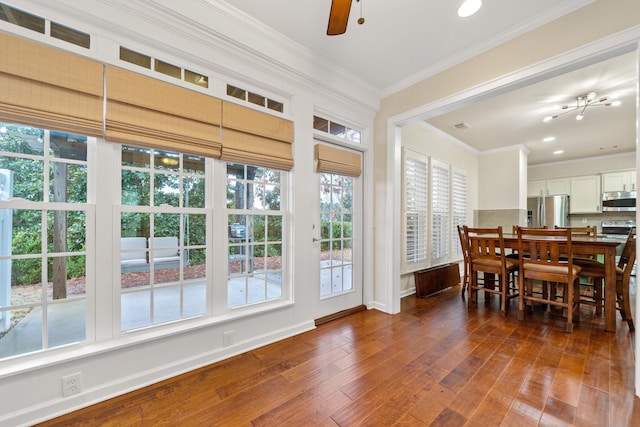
column 469, row 7
column 558, row 152
column 549, row 139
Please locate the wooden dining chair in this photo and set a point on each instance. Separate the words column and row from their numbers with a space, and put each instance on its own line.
column 487, row 256
column 587, row 289
column 464, row 245
column 550, row 260
column 594, row 270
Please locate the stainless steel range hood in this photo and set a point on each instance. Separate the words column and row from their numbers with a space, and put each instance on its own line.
column 619, row 201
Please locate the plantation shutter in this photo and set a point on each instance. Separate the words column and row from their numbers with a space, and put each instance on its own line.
column 459, row 207
column 45, row 87
column 338, row 161
column 416, row 200
column 440, row 228
column 255, row 138
column 152, row 113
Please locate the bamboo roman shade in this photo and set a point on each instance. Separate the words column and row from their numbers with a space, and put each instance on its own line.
column 336, row 160
column 148, row 112
column 45, row 87
column 255, row 138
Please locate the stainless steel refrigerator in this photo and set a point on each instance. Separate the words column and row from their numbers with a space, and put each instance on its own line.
column 548, row 211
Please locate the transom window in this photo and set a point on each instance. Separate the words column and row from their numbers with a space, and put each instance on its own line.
column 337, row 129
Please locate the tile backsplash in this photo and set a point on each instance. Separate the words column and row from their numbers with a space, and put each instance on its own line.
column 581, row 220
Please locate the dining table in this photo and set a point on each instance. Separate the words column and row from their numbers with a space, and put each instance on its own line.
column 592, row 245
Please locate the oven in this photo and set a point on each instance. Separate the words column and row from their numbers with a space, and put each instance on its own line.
column 617, row 229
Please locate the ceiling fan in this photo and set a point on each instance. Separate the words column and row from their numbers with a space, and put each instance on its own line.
column 339, row 16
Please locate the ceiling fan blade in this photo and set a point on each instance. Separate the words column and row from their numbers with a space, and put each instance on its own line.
column 338, row 17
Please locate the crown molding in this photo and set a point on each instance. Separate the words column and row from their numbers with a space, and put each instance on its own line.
column 582, row 160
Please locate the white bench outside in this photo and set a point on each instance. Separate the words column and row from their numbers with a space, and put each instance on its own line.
column 134, row 251
column 133, row 254
column 165, row 252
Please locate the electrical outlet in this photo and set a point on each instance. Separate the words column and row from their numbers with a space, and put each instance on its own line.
column 72, row 384
column 227, row 338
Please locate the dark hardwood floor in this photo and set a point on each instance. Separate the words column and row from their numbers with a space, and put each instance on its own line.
column 435, row 364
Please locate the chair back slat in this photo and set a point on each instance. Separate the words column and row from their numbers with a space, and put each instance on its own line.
column 628, row 249
column 464, row 242
column 464, row 245
column 590, row 230
column 628, row 256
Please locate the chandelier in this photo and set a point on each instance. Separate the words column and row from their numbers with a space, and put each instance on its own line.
column 582, row 102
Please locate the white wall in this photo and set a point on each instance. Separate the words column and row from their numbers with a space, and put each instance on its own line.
column 500, row 179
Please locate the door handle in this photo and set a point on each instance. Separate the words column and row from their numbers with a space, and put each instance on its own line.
column 315, row 240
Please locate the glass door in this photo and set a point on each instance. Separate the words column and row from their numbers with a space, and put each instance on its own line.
column 338, row 243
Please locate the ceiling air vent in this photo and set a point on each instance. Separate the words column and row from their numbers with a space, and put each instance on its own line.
column 461, row 126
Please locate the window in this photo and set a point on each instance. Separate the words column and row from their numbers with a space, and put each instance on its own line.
column 336, row 234
column 254, row 98
column 415, row 203
column 458, row 207
column 163, row 67
column 337, row 130
column 43, row 238
column 163, row 229
column 440, row 221
column 38, row 24
column 255, row 234
column 434, row 204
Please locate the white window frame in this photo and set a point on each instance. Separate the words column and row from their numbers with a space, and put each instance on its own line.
column 440, row 223
column 45, row 205
column 459, row 188
column 415, row 178
column 152, row 209
column 246, row 274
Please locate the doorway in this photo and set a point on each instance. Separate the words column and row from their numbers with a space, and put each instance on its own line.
column 337, row 242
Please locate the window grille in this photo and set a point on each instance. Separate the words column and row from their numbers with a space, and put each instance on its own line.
column 458, row 208
column 416, row 205
column 440, row 223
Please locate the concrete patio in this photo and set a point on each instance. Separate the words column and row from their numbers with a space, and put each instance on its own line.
column 66, row 321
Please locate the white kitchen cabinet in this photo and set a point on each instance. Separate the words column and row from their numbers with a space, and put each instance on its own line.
column 536, row 188
column 585, row 195
column 558, row 186
column 619, row 181
column 548, row 187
